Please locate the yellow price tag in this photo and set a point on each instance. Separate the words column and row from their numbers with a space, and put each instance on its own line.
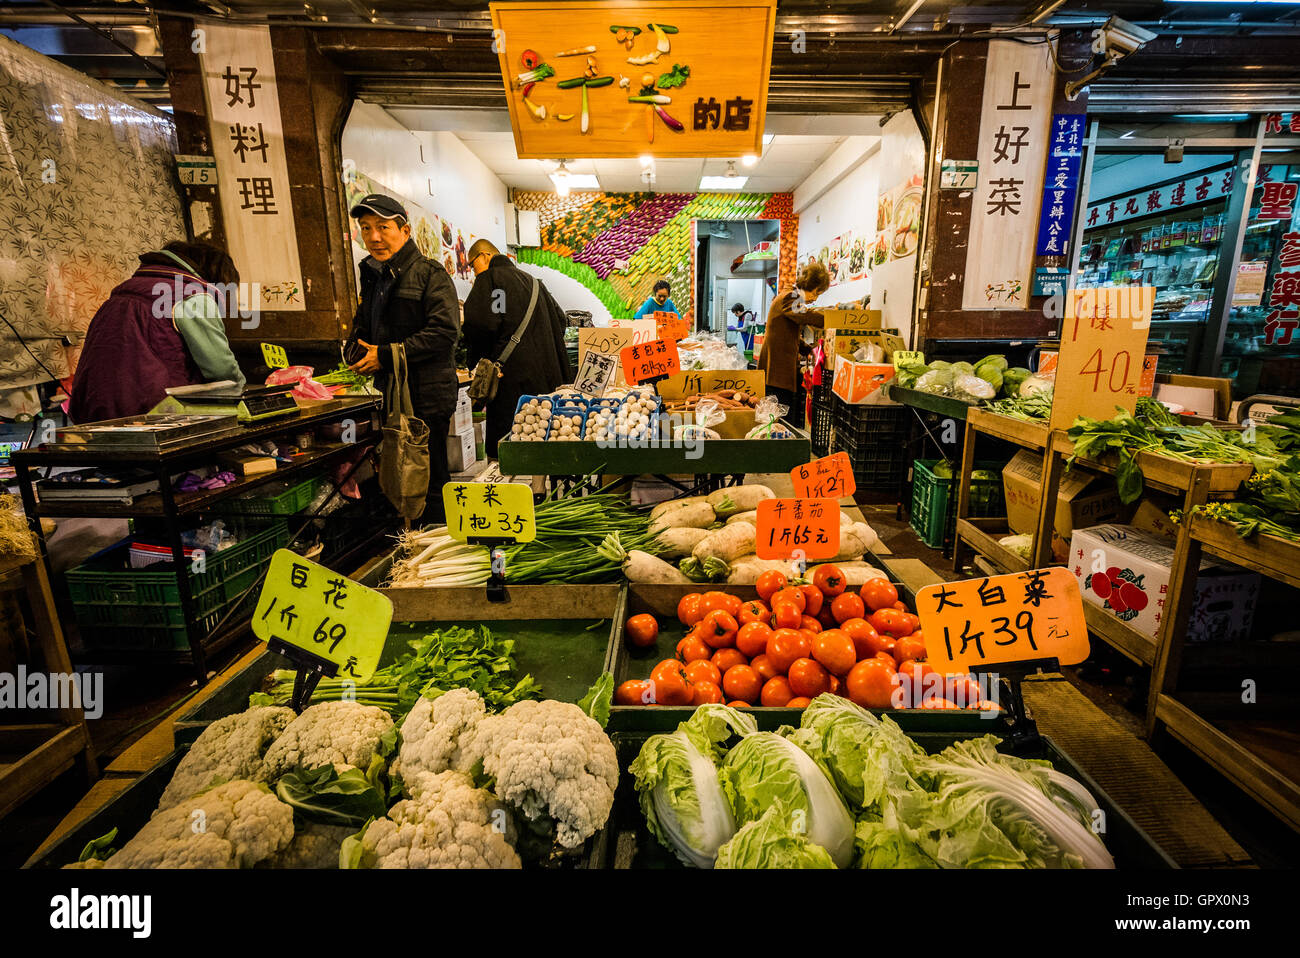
column 275, row 356
column 490, row 510
column 908, row 357
column 323, row 612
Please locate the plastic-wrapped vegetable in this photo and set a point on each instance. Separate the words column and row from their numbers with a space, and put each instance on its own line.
column 936, row 381
column 971, row 388
column 1012, row 378
column 991, row 375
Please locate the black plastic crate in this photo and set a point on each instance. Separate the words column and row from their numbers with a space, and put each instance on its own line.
column 877, row 439
column 819, row 428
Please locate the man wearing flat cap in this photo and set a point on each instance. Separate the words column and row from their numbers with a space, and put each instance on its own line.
column 409, row 299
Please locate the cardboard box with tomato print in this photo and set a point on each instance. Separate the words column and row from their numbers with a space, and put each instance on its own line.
column 1125, row 571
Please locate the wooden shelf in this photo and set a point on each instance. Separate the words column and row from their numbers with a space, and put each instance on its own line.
column 1268, row 555
column 982, row 535
column 1119, row 635
column 1169, row 475
column 1031, row 435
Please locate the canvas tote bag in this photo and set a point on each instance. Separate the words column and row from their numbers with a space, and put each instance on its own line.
column 487, row 374
column 404, row 450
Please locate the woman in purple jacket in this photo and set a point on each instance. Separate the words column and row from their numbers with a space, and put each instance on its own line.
column 162, row 327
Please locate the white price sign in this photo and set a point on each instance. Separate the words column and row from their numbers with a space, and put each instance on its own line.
column 595, row 374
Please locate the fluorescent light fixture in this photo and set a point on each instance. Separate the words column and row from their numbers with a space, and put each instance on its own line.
column 583, row 181
column 646, row 160
column 1125, row 136
column 749, row 159
column 565, row 181
column 722, row 182
column 768, row 138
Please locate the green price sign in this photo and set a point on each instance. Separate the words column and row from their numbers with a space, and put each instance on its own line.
column 323, row 612
column 275, row 356
column 908, row 357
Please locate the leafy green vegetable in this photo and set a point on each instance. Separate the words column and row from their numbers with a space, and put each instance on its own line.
column 675, row 77
column 772, row 842
column 599, row 698
column 100, row 848
column 329, row 797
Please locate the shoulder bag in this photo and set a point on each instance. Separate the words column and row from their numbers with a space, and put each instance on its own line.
column 487, row 374
column 404, row 451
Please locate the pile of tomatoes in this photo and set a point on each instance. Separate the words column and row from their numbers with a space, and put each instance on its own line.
column 793, row 643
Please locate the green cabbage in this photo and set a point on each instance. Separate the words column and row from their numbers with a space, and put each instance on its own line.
column 769, row 842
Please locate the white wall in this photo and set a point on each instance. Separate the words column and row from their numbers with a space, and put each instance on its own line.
column 569, row 293
column 901, row 156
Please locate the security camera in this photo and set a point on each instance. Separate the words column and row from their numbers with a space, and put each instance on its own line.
column 1118, row 38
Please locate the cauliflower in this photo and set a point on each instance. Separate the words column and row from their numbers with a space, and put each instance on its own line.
column 313, row 846
column 551, row 759
column 230, row 748
column 433, row 731
column 450, row 824
column 329, row 733
column 235, row 825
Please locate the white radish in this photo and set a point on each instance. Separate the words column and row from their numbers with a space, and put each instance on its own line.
column 680, row 542
column 728, row 543
column 751, row 517
column 672, row 505
column 698, row 515
column 733, row 499
column 855, row 541
column 856, row 573
column 643, row 567
column 745, row 571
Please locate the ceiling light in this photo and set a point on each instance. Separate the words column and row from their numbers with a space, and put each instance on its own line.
column 768, row 138
column 749, row 159
column 646, row 160
column 723, row 182
column 560, row 177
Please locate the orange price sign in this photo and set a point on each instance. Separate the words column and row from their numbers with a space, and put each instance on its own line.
column 830, row 477
column 1103, row 351
column 798, row 528
column 1006, row 618
column 671, row 326
column 646, row 362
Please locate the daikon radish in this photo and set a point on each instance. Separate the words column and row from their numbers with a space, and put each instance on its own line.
column 643, row 567
column 698, row 515
column 745, row 571
column 856, row 573
column 751, row 517
column 672, row 505
column 681, row 541
column 855, row 540
column 729, row 501
column 728, row 543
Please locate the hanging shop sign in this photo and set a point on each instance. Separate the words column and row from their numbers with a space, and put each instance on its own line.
column 1281, row 124
column 1201, row 188
column 1284, row 294
column 1061, row 185
column 598, row 79
column 248, row 143
column 1015, row 117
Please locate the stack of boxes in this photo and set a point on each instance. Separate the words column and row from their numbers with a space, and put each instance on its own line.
column 461, row 453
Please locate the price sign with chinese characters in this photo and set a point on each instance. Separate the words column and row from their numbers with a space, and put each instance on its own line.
column 275, row 356
column 671, row 326
column 830, row 477
column 908, row 357
column 1006, row 618
column 649, row 362
column 809, row 528
column 310, row 607
column 487, row 510
column 595, row 374
column 1103, row 349
column 699, row 381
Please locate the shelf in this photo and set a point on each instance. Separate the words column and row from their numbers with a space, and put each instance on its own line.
column 49, row 751
column 1268, row 555
column 1119, row 635
column 982, row 536
column 212, row 644
column 941, row 405
column 1170, row 475
column 1031, row 435
column 1262, row 757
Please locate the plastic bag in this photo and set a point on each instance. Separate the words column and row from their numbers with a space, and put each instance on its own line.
column 767, row 417
column 937, row 382
column 707, row 414
column 306, row 388
column 971, row 388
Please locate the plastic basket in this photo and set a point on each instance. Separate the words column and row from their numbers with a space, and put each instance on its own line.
column 876, row 439
column 820, row 426
column 934, row 508
column 118, row 607
column 287, row 503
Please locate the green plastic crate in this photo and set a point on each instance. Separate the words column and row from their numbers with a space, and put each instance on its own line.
column 287, row 503
column 934, row 509
column 118, row 607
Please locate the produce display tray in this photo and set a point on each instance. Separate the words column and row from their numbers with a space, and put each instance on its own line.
column 628, row 662
column 943, row 405
column 626, row 843
column 655, row 457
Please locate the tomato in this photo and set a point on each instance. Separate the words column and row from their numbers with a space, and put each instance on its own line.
column 692, row 649
column 917, row 636
column 776, row 692
column 714, row 600
column 718, row 629
column 702, row 692
column 786, row 615
column 742, row 682
column 813, row 599
column 702, row 670
column 632, row 692
column 871, row 684
column 899, row 606
column 726, row 602
column 752, row 638
column 909, row 648
column 889, row 622
column 668, row 667
column 784, row 647
column 798, row 702
column 669, row 685
column 726, row 659
column 688, row 609
column 791, row 593
column 769, row 584
column 837, row 687
column 826, row 617
column 847, row 606
column 835, row 651
column 937, row 702
column 809, row 679
column 642, row 630
column 963, row 690
column 879, row 594
column 888, row 659
column 763, row 666
column 737, row 704
column 913, row 622
column 809, row 624
column 754, row 611
column 829, row 580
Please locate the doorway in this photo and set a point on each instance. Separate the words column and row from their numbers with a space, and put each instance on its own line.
column 737, row 263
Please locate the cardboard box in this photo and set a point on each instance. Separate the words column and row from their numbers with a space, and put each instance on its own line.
column 1083, row 499
column 460, row 451
column 1151, row 518
column 1134, row 584
column 859, row 383
column 463, row 417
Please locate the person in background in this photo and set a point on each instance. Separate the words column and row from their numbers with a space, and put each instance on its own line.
column 744, row 325
column 409, row 299
column 783, row 342
column 661, row 300
column 494, row 311
column 161, row 328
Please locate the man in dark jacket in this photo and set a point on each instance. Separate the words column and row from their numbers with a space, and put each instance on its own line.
column 494, row 311
column 408, row 299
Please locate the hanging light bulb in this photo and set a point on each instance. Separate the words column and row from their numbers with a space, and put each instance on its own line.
column 560, row 177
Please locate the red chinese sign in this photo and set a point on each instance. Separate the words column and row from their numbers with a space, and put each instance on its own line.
column 1284, row 295
column 653, row 360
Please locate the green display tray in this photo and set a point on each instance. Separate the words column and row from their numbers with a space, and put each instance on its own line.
column 713, row 456
column 943, row 405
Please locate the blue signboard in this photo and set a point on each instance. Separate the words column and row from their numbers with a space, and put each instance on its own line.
column 1060, row 184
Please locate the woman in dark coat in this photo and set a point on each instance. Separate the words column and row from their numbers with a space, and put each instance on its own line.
column 789, row 313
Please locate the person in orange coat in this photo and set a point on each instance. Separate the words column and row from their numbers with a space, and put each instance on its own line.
column 782, row 343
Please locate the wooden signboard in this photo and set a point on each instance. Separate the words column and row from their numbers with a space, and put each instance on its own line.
column 699, row 381
column 605, row 339
column 851, row 318
column 710, row 58
column 1103, row 349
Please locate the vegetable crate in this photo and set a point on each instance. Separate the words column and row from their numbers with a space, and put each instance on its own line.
column 934, row 508
column 119, row 607
column 626, row 843
column 819, row 426
column 876, row 439
column 287, row 503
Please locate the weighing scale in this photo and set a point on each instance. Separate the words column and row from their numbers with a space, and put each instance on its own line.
column 250, row 404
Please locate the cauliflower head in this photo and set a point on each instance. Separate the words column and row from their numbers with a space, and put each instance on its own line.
column 313, row 846
column 434, row 730
column 550, row 758
column 230, row 748
column 329, row 733
column 235, row 825
column 450, row 824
